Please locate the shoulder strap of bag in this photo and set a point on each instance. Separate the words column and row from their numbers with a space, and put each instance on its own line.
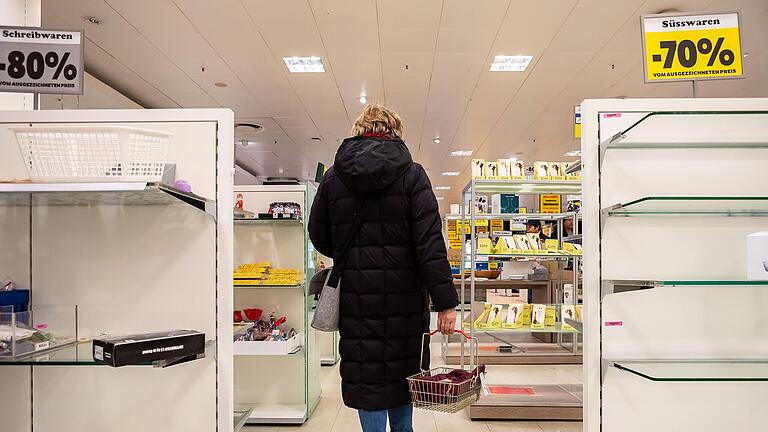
column 341, row 259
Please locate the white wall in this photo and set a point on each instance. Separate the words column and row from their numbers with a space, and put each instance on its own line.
column 96, row 95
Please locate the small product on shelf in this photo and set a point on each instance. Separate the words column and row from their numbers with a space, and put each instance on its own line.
column 478, row 169
column 282, row 210
column 144, row 348
column 568, row 312
column 264, row 335
column 263, row 273
column 538, row 316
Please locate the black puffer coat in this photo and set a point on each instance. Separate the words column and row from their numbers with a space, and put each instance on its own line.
column 395, row 266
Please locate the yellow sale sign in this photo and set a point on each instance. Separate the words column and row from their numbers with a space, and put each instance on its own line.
column 691, row 47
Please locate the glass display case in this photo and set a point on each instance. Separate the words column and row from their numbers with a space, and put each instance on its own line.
column 111, row 257
column 276, row 246
column 673, row 189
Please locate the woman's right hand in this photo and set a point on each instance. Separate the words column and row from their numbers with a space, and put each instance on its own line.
column 446, row 321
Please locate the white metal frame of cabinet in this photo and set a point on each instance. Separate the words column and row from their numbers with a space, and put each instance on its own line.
column 147, row 259
column 554, row 402
column 665, row 254
column 279, row 388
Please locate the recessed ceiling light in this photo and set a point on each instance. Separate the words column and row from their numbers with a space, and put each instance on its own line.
column 304, row 64
column 436, row 140
column 746, row 55
column 517, row 63
column 442, row 188
column 451, row 173
column 513, row 159
column 279, row 170
column 440, row 198
column 461, row 153
column 572, row 153
column 249, row 127
column 363, row 99
column 220, row 84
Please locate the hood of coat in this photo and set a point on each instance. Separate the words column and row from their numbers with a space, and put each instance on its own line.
column 370, row 164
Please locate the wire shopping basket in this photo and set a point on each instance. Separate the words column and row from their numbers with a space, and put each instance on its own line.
column 444, row 389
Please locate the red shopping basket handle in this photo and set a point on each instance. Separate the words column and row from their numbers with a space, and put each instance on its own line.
column 434, row 332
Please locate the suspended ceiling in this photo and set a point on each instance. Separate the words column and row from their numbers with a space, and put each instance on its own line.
column 428, row 59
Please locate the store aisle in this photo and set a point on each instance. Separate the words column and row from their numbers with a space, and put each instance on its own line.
column 332, row 416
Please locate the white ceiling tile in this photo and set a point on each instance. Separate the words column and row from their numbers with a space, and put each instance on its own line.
column 193, row 99
column 461, row 13
column 408, row 40
column 415, row 64
column 409, row 14
column 153, row 16
column 190, row 44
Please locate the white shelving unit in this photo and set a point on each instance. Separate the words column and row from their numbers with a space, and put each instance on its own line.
column 129, row 258
column 543, row 402
column 675, row 334
column 281, row 383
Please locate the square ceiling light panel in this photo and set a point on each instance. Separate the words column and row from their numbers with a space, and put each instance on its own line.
column 304, row 64
column 460, row 153
column 517, row 63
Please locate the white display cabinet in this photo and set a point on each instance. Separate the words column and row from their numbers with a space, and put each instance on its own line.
column 280, row 383
column 126, row 258
column 675, row 334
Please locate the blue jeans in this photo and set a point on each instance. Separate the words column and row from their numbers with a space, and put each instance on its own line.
column 400, row 419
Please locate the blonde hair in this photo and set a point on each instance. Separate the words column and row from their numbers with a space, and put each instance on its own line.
column 378, row 119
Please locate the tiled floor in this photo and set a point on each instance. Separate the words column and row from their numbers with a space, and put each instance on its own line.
column 332, row 416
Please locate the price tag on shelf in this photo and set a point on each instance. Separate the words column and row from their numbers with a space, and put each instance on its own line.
column 34, row 60
column 497, row 225
column 681, row 47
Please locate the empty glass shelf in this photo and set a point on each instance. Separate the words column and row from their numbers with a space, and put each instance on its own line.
column 557, row 328
column 240, row 416
column 666, row 283
column 691, row 206
column 683, row 371
column 561, row 187
column 89, row 194
column 269, row 222
column 512, row 216
column 695, row 129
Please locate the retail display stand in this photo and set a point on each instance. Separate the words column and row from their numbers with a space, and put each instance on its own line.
column 281, row 384
column 675, row 333
column 509, row 401
column 111, row 258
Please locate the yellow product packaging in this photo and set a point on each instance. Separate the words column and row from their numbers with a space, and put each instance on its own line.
column 505, row 168
column 478, row 169
column 538, row 316
column 522, row 243
column 541, row 170
column 480, row 322
column 567, row 312
column 514, row 316
column 534, row 240
column 501, row 246
column 492, row 170
column 495, row 317
column 551, row 244
column 517, row 170
column 484, row 246
column 579, row 315
column 527, row 312
column 550, row 316
column 556, row 171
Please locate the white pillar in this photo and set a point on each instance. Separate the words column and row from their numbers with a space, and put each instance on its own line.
column 19, row 13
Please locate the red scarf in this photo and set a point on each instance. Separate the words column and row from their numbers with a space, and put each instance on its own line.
column 376, row 135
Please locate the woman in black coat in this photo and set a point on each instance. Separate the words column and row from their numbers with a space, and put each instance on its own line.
column 396, row 265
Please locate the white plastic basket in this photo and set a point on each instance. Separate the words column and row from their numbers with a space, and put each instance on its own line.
column 103, row 154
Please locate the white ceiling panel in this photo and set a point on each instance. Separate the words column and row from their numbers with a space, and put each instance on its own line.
column 153, row 16
column 427, row 59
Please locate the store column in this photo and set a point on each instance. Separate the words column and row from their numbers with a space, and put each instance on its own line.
column 19, row 13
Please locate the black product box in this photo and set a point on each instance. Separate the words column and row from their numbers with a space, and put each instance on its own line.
column 145, row 348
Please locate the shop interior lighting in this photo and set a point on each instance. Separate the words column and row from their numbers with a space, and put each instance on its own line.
column 451, row 173
column 516, row 63
column 304, row 64
column 572, row 153
column 363, row 99
column 440, row 198
column 442, row 188
column 436, row 140
column 461, row 153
